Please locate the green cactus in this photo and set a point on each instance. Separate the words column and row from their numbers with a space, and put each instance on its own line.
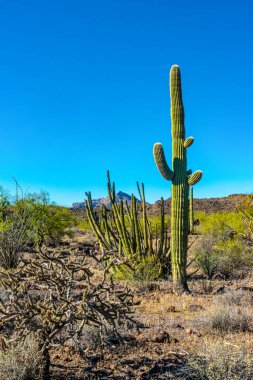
column 181, row 179
column 128, row 237
column 191, row 212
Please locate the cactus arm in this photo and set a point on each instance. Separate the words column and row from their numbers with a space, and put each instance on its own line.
column 136, row 234
column 188, row 142
column 162, row 228
column 144, row 216
column 110, row 188
column 161, row 163
column 94, row 223
column 195, row 177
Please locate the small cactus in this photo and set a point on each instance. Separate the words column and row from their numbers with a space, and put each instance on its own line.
column 181, row 180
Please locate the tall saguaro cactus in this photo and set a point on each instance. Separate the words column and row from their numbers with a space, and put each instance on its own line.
column 191, row 212
column 181, row 180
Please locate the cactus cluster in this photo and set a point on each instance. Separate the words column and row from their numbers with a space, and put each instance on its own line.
column 181, row 179
column 125, row 229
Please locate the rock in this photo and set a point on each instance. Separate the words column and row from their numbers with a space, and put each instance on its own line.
column 194, row 307
column 245, row 288
column 220, row 289
column 161, row 336
column 178, row 326
column 171, row 309
column 188, row 331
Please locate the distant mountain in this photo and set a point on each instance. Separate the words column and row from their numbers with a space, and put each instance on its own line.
column 209, row 205
column 105, row 201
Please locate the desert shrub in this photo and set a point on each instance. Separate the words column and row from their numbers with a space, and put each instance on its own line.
column 55, row 298
column 48, row 222
column 32, row 220
column 207, row 285
column 219, row 224
column 146, row 270
column 207, row 256
column 20, row 360
column 234, row 254
column 4, row 203
column 246, row 211
column 224, row 256
column 237, row 298
column 14, row 236
column 155, row 222
column 226, row 318
column 83, row 224
column 219, row 361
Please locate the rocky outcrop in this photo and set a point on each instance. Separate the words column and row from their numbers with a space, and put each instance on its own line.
column 105, row 201
column 209, row 205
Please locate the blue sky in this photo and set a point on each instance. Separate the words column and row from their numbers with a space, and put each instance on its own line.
column 84, row 88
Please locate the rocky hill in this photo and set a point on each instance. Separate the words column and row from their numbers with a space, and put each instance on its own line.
column 105, row 201
column 208, row 205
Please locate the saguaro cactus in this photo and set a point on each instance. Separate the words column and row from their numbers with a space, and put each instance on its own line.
column 181, row 179
column 191, row 212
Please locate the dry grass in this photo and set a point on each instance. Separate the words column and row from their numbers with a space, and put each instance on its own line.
column 231, row 312
column 219, row 360
column 20, row 361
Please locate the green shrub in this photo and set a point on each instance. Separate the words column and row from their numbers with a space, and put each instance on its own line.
column 31, row 220
column 219, row 224
column 207, row 256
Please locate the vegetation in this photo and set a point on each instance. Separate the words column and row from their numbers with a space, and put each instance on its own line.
column 225, row 246
column 218, row 361
column 181, row 180
column 191, row 212
column 20, row 360
column 62, row 297
column 54, row 298
column 30, row 221
column 121, row 232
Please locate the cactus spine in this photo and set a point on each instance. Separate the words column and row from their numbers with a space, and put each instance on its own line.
column 181, row 179
column 191, row 212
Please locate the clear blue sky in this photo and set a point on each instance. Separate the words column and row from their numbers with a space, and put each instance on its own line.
column 84, row 88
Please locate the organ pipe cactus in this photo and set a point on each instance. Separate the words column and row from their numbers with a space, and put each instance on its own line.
column 180, row 178
column 125, row 231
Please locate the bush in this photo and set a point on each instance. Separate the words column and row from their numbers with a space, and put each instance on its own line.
column 237, row 298
column 207, row 256
column 55, row 298
column 219, row 361
column 32, row 220
column 220, row 224
column 229, row 318
column 224, row 256
column 48, row 222
column 14, row 236
column 20, row 360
